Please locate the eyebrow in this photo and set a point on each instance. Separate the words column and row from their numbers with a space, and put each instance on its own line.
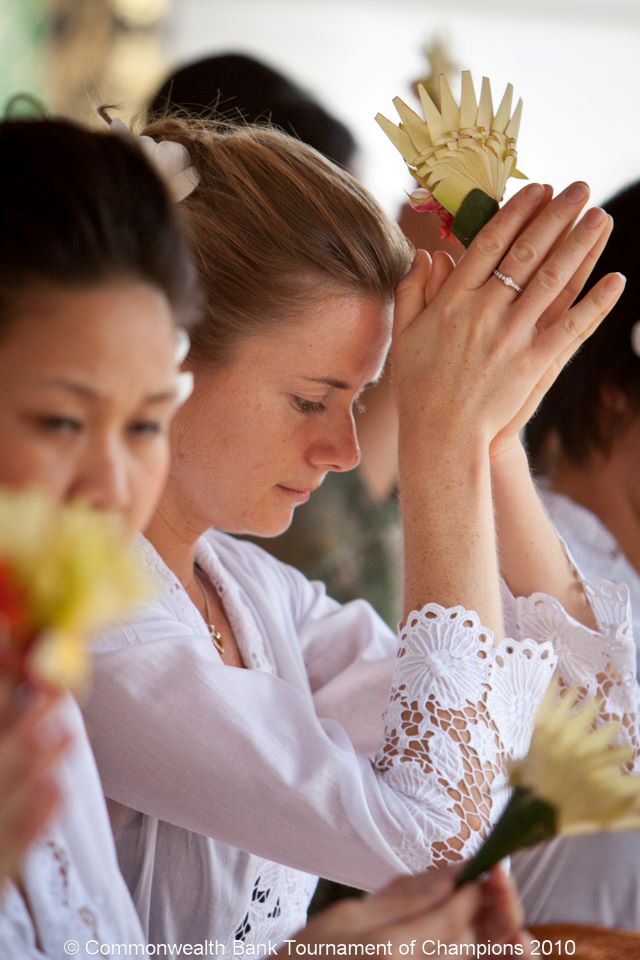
column 338, row 384
column 82, row 390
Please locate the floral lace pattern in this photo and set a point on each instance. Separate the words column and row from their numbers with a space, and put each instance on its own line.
column 459, row 708
column 277, row 890
column 51, row 878
column 597, row 663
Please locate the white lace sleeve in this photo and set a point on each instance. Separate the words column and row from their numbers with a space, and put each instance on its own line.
column 597, row 663
column 459, row 708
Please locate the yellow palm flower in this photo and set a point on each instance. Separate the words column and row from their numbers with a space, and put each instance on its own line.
column 462, row 154
column 572, row 781
column 74, row 574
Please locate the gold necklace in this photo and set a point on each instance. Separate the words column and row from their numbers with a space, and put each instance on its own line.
column 216, row 637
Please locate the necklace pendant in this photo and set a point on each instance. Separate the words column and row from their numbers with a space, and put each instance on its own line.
column 216, row 638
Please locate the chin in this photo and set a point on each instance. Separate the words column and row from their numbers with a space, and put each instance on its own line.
column 262, row 526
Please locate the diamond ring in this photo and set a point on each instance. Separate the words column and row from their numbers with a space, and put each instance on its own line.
column 508, row 281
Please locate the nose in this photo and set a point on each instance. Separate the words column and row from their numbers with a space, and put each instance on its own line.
column 104, row 479
column 338, row 448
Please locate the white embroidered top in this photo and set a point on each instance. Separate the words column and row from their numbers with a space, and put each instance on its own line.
column 70, row 875
column 593, row 879
column 229, row 789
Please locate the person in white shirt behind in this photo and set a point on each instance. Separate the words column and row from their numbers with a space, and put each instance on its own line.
column 585, row 444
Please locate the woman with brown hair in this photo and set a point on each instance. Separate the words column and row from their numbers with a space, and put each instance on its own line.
column 234, row 718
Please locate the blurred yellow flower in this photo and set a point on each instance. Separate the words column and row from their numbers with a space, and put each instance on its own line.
column 574, row 768
column 462, row 154
column 74, row 573
column 572, row 781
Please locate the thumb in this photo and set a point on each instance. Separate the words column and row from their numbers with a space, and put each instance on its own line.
column 409, row 295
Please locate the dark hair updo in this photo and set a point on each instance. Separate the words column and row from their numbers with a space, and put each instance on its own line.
column 573, row 414
column 81, row 208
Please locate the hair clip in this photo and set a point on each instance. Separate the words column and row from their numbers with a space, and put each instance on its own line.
column 170, row 159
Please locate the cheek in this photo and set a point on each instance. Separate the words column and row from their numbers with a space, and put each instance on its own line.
column 32, row 462
column 147, row 483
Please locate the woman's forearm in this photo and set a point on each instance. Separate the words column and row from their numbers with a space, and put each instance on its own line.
column 449, row 533
column 532, row 559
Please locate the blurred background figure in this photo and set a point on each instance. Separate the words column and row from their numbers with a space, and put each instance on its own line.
column 585, row 444
column 585, row 437
column 243, row 89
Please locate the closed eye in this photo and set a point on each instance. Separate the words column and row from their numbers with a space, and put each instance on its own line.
column 308, row 406
column 54, row 423
column 145, row 428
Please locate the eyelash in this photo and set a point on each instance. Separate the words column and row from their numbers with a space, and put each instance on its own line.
column 146, row 428
column 308, row 406
column 56, row 424
column 312, row 406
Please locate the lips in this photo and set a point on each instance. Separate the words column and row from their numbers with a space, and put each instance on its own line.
column 301, row 492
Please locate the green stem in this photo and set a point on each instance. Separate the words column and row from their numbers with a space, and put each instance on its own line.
column 474, row 212
column 525, row 821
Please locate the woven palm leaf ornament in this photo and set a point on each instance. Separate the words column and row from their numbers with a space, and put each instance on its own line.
column 461, row 154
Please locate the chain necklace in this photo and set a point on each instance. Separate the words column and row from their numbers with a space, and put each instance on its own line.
column 216, row 637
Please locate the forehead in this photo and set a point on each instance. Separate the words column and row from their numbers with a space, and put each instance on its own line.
column 346, row 334
column 111, row 332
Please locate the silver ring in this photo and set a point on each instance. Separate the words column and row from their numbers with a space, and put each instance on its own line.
column 508, row 281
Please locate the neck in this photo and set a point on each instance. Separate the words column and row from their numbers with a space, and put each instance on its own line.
column 175, row 536
column 602, row 486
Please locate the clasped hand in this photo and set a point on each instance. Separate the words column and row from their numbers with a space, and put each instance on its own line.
column 472, row 353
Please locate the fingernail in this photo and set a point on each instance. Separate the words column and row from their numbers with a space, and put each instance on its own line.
column 615, row 282
column 576, row 192
column 595, row 217
column 534, row 192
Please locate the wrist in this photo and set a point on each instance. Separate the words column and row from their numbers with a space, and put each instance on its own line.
column 434, row 445
column 508, row 455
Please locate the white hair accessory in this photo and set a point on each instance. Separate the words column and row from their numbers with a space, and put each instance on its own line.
column 635, row 338
column 170, row 159
column 185, row 377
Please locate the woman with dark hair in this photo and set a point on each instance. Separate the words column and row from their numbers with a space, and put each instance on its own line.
column 585, row 441
column 93, row 289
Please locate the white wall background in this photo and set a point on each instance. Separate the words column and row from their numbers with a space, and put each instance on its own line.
column 576, row 64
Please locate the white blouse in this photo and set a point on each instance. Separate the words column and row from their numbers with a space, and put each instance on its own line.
column 70, row 874
column 230, row 790
column 593, row 879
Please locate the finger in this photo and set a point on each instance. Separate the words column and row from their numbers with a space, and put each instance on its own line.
column 454, row 920
column 557, row 361
column 409, row 294
column 32, row 816
column 557, row 270
column 411, row 894
column 577, row 282
column 535, row 243
column 442, row 267
column 569, row 331
column 501, row 914
column 493, row 241
column 26, row 754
